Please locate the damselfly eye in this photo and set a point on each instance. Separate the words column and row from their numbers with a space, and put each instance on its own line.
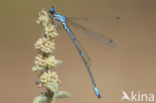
column 52, row 10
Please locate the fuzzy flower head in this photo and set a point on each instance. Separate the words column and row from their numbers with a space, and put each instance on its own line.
column 49, row 78
column 45, row 45
column 43, row 18
column 46, row 62
column 50, row 31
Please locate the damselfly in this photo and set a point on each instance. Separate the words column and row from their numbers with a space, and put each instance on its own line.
column 96, row 21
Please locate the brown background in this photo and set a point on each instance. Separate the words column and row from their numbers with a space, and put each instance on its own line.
column 131, row 65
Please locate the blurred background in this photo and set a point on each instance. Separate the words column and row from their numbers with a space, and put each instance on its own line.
column 130, row 65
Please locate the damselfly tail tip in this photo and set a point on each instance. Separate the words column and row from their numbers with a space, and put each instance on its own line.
column 97, row 93
column 99, row 96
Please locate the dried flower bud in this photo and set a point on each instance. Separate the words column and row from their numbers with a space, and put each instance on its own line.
column 45, row 62
column 43, row 18
column 49, row 78
column 45, row 45
column 50, row 31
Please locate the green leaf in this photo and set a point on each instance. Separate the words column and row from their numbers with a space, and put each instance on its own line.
column 36, row 68
column 53, row 87
column 62, row 94
column 40, row 99
column 46, row 50
column 57, row 62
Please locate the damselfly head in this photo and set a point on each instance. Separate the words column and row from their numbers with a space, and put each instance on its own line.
column 52, row 10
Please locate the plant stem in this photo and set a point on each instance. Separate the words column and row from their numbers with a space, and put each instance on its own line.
column 51, row 98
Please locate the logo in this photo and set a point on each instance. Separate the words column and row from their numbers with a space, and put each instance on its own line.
column 137, row 97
